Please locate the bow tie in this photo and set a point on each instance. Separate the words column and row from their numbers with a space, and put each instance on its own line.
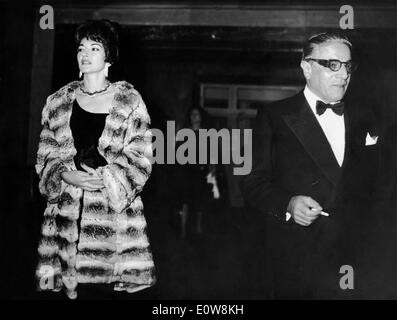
column 337, row 107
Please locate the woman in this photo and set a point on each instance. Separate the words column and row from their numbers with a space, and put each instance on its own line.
column 93, row 161
column 195, row 192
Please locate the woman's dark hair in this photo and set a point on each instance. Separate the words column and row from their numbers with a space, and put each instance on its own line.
column 103, row 31
column 205, row 118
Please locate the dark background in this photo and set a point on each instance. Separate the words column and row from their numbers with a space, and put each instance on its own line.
column 166, row 64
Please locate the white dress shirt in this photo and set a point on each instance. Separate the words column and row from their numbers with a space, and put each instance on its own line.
column 333, row 126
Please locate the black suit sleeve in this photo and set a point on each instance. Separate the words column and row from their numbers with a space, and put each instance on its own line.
column 260, row 188
column 386, row 187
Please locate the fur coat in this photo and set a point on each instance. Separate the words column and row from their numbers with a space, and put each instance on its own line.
column 110, row 245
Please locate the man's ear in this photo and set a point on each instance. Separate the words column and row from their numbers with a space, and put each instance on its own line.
column 307, row 69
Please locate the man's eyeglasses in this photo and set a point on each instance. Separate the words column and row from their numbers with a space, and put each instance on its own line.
column 335, row 65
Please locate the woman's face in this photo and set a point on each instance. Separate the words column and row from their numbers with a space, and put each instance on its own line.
column 91, row 56
column 195, row 116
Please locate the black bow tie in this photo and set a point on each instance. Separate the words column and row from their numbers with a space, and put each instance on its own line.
column 337, row 107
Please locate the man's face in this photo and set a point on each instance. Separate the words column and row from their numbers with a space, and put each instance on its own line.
column 328, row 85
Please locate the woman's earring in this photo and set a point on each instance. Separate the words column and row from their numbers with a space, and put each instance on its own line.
column 106, row 71
column 80, row 74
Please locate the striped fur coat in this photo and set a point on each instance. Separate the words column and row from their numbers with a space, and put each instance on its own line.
column 112, row 245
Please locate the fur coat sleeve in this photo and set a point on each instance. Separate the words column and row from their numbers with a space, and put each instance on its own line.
column 49, row 163
column 129, row 165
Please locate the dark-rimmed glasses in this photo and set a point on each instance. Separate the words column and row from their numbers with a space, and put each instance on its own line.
column 335, row 65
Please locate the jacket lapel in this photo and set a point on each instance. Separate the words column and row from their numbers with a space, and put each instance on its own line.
column 306, row 128
column 348, row 140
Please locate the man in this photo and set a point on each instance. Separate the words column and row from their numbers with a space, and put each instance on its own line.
column 313, row 165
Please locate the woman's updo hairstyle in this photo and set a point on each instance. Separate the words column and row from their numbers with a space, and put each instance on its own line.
column 103, row 31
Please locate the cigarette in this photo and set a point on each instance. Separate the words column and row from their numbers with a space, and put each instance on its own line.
column 323, row 213
column 288, row 215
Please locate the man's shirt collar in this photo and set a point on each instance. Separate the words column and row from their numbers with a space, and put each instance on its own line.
column 311, row 98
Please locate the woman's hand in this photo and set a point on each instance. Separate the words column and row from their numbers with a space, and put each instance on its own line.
column 89, row 181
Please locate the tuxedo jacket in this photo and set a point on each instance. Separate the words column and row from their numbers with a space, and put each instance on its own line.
column 385, row 200
column 292, row 156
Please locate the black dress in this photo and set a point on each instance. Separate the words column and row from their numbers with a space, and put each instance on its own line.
column 192, row 179
column 86, row 129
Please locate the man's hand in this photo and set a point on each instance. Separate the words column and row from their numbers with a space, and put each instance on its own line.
column 88, row 181
column 304, row 210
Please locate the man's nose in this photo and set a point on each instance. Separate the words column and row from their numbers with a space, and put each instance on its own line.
column 342, row 72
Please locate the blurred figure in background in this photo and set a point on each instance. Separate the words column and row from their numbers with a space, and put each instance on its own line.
column 195, row 181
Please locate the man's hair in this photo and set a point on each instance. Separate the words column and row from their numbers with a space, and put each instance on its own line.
column 103, row 31
column 322, row 38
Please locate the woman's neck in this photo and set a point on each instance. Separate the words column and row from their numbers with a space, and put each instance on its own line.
column 196, row 126
column 94, row 82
